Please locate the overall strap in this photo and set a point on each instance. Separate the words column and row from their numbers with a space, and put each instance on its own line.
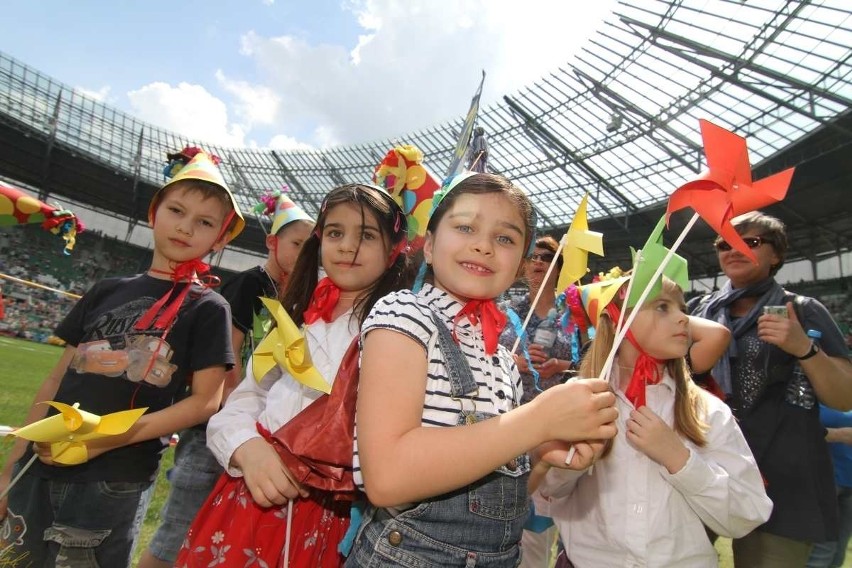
column 461, row 379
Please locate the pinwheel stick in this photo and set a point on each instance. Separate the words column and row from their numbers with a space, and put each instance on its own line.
column 288, row 533
column 605, row 372
column 538, row 294
column 19, row 476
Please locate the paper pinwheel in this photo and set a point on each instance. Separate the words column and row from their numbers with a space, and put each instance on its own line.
column 579, row 242
column 286, row 346
column 646, row 261
column 68, row 431
column 18, row 208
column 412, row 185
column 725, row 189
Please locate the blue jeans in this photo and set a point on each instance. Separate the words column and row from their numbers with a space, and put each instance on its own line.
column 832, row 554
column 74, row 525
column 192, row 479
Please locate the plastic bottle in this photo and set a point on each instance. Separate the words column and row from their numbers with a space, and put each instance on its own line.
column 545, row 334
column 799, row 389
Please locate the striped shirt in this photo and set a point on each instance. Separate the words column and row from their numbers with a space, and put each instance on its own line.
column 411, row 315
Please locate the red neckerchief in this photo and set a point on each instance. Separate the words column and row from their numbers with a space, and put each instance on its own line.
column 188, row 272
column 646, row 370
column 323, row 301
column 491, row 319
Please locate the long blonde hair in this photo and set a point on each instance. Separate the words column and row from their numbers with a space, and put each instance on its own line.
column 690, row 406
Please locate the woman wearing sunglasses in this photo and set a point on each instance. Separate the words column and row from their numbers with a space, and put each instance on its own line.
column 772, row 375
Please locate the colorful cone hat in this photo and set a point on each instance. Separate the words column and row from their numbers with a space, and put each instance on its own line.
column 597, row 295
column 286, row 211
column 202, row 167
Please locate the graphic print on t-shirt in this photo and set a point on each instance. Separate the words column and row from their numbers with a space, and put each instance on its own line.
column 116, row 349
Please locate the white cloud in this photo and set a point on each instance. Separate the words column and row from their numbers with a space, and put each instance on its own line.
column 417, row 64
column 187, row 109
column 101, row 95
column 255, row 104
column 283, row 142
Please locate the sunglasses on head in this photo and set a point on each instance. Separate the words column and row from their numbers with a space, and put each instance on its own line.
column 751, row 242
column 542, row 256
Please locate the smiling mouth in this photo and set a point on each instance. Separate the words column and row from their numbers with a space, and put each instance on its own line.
column 179, row 242
column 475, row 268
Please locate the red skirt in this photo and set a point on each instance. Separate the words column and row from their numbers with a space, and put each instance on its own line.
column 232, row 530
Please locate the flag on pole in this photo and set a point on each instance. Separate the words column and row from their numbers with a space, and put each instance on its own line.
column 457, row 163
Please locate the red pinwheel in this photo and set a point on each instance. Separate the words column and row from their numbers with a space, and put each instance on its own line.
column 725, row 189
column 18, row 208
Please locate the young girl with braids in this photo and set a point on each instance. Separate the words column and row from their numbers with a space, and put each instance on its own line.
column 358, row 241
column 441, row 445
column 679, row 462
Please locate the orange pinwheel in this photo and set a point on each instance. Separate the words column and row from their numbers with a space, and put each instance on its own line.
column 725, row 189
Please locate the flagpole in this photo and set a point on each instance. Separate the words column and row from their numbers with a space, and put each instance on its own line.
column 538, row 294
column 620, row 336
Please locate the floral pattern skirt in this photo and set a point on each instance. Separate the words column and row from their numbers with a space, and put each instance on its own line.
column 231, row 530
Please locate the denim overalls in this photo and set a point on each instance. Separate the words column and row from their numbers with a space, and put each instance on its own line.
column 478, row 525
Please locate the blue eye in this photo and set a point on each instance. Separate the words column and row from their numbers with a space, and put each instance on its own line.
column 505, row 240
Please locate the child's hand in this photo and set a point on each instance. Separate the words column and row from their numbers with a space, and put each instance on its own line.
column 267, row 478
column 578, row 410
column 555, row 453
column 655, row 439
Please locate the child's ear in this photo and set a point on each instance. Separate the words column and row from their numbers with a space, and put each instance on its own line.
column 220, row 245
column 270, row 242
column 427, row 247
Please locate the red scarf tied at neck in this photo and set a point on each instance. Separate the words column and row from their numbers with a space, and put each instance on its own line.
column 323, row 301
column 188, row 272
column 646, row 369
column 491, row 319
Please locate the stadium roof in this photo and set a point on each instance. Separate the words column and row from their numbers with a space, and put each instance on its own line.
column 620, row 120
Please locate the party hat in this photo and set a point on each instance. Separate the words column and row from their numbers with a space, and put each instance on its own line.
column 597, row 295
column 203, row 168
column 286, row 211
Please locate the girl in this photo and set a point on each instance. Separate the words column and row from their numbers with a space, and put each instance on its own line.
column 679, row 461
column 358, row 239
column 440, row 441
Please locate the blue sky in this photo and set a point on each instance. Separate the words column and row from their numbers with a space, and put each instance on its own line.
column 294, row 74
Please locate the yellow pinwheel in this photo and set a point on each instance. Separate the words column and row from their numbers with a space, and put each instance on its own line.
column 68, row 431
column 579, row 242
column 287, row 347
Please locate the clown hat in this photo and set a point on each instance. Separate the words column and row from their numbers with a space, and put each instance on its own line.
column 597, row 295
column 285, row 213
column 203, row 168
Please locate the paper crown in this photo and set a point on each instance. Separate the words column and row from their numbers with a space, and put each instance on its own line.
column 202, row 167
column 286, row 211
column 648, row 259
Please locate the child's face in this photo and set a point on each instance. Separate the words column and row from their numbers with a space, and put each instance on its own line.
column 477, row 247
column 662, row 327
column 289, row 243
column 186, row 226
column 344, row 236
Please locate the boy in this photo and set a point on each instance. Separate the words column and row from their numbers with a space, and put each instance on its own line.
column 132, row 342
column 196, row 470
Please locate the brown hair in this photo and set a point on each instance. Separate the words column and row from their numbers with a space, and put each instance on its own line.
column 207, row 190
column 690, row 405
column 394, row 229
column 770, row 228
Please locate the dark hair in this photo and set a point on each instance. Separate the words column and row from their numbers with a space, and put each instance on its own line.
column 480, row 184
column 207, row 190
column 549, row 243
column 394, row 229
column 770, row 228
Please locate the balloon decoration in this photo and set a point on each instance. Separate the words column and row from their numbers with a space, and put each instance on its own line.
column 18, row 208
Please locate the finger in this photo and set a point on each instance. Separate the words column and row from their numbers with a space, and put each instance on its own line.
column 596, row 385
column 791, row 313
column 295, row 489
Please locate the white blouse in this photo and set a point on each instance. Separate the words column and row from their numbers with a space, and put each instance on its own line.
column 629, row 511
column 278, row 397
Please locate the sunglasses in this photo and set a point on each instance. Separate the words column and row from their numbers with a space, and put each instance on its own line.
column 543, row 257
column 751, row 242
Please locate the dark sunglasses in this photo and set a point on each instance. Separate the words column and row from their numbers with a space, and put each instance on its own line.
column 751, row 242
column 543, row 257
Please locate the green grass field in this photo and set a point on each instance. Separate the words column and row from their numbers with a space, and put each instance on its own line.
column 23, row 365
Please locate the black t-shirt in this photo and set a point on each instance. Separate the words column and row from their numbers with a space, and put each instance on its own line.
column 113, row 369
column 248, row 313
